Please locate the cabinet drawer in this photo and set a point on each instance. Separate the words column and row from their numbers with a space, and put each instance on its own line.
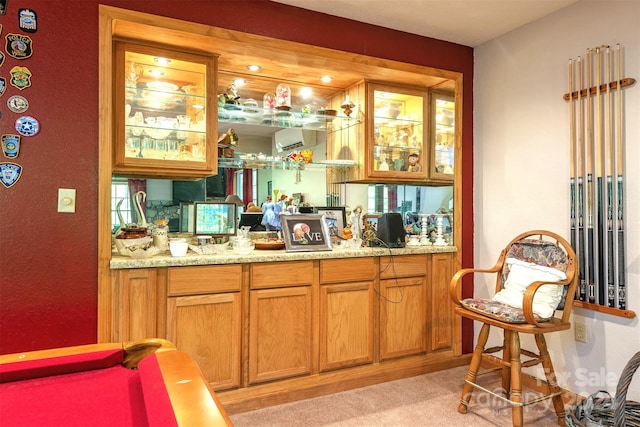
column 403, row 266
column 204, row 280
column 347, row 270
column 281, row 274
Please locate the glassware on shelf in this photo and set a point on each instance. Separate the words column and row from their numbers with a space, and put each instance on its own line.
column 163, row 118
column 269, row 101
column 283, row 96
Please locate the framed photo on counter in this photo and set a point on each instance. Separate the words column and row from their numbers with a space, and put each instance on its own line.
column 335, row 217
column 305, row 233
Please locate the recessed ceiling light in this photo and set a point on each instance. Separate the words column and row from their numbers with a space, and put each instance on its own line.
column 156, row 73
column 306, row 92
column 162, row 61
column 239, row 82
column 253, row 67
column 326, row 79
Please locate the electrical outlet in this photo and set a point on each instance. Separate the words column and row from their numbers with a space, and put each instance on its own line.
column 580, row 330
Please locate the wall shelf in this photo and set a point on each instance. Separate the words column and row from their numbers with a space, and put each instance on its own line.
column 629, row 314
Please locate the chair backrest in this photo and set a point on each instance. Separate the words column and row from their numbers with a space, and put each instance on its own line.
column 546, row 249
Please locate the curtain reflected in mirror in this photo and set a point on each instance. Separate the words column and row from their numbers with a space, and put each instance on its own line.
column 165, row 197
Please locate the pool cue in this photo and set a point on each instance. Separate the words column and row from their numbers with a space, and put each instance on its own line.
column 581, row 166
column 573, row 183
column 589, row 144
column 607, row 172
column 572, row 168
column 599, row 168
column 619, row 167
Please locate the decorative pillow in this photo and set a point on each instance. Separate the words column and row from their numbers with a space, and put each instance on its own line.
column 521, row 275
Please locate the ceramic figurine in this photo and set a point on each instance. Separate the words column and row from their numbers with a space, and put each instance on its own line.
column 356, row 222
column 347, row 106
column 271, row 215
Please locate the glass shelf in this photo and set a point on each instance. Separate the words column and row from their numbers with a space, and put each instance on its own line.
column 250, row 115
column 254, row 163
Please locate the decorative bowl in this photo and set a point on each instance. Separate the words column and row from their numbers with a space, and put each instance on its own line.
column 269, row 244
column 244, row 248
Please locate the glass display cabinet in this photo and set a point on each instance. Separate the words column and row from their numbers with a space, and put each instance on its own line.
column 163, row 120
column 442, row 137
column 396, row 133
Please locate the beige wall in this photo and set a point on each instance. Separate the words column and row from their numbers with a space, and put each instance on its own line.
column 523, row 157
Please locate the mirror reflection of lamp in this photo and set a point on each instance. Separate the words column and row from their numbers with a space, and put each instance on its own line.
column 233, row 198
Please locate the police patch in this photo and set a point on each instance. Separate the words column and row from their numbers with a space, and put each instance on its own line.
column 27, row 126
column 18, row 104
column 20, row 77
column 18, row 46
column 10, row 173
column 11, row 146
column 28, row 20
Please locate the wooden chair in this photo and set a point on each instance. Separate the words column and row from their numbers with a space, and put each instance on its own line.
column 527, row 263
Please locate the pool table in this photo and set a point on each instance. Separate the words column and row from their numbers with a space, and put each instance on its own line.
column 142, row 383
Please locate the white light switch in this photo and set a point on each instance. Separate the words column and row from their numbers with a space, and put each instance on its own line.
column 67, row 200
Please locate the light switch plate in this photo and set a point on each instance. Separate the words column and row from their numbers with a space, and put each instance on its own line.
column 67, row 200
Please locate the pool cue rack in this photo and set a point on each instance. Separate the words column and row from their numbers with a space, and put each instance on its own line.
column 596, row 114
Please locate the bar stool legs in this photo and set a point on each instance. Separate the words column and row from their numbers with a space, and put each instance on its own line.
column 474, row 366
column 512, row 374
column 550, row 375
column 516, row 381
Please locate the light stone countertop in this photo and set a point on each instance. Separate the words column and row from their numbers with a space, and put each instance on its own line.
column 192, row 258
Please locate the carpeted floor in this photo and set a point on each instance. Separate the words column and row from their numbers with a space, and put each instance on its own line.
column 426, row 400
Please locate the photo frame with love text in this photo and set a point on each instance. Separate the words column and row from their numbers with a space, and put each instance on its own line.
column 305, row 233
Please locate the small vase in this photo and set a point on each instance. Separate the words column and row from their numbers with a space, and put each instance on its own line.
column 161, row 238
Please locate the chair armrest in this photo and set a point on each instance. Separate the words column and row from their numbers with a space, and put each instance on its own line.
column 527, row 301
column 456, row 280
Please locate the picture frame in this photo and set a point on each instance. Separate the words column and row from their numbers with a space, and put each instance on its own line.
column 215, row 218
column 370, row 228
column 305, row 233
column 335, row 217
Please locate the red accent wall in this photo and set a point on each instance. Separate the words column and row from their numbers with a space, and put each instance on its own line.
column 48, row 265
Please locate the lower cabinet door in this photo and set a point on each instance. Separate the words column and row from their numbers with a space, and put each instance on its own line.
column 280, row 335
column 441, row 305
column 346, row 325
column 208, row 328
column 137, row 301
column 403, row 317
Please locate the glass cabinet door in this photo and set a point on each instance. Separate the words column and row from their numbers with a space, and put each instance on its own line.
column 396, row 134
column 163, row 124
column 443, row 136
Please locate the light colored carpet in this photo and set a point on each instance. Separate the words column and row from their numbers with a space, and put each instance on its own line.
column 425, row 400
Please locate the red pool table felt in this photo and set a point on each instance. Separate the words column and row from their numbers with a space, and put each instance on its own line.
column 89, row 389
